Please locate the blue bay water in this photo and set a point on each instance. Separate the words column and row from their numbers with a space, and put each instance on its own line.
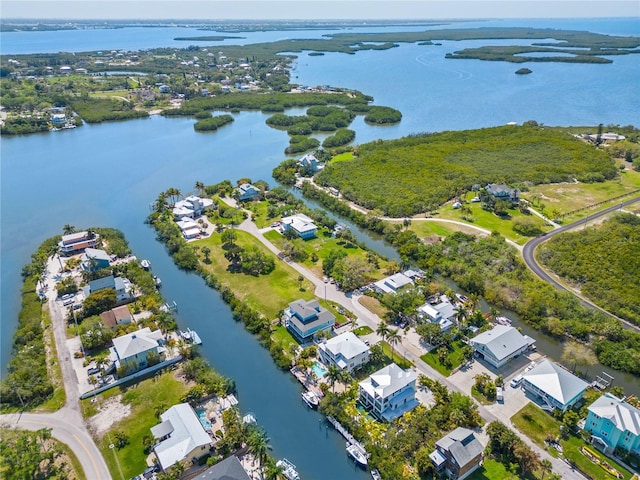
column 106, row 175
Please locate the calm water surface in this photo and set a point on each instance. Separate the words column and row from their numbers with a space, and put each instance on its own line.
column 106, row 175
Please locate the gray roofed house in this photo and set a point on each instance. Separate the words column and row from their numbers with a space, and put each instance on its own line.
column 500, row 345
column 346, row 351
column 122, row 286
column 554, row 386
column 457, row 454
column 389, row 393
column 247, row 191
column 228, row 469
column 502, row 192
column 94, row 259
column 133, row 348
column 305, row 318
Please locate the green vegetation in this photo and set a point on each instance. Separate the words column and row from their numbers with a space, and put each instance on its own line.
column 28, row 455
column 444, row 361
column 419, row 173
column 342, row 137
column 24, row 125
column 212, row 123
column 506, row 446
column 571, row 449
column 300, row 144
column 583, row 256
column 383, row 116
column 364, row 330
column 536, row 424
column 96, row 110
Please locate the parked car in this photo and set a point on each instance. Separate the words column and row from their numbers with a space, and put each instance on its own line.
column 515, row 381
column 500, row 394
column 93, row 371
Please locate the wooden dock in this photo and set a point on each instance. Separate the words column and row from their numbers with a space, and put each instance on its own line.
column 343, row 431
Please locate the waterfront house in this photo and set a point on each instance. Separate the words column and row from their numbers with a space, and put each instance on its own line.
column 443, row 313
column 133, row 349
column 117, row 316
column 58, row 119
column 389, row 393
column 554, row 386
column 247, row 192
column 95, row 259
column 305, row 318
column 458, row 454
column 301, row 224
column 346, row 351
column 502, row 192
column 500, row 345
column 228, row 469
column 77, row 242
column 614, row 423
column 190, row 229
column 191, row 207
column 392, row 283
column 122, row 286
column 180, row 436
column 310, row 164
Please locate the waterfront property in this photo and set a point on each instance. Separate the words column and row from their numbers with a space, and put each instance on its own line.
column 502, row 192
column 117, row 316
column 554, row 386
column 443, row 313
column 306, row 318
column 228, row 469
column 310, row 164
column 77, row 242
column 458, row 454
column 500, row 345
column 122, row 286
column 180, row 435
column 190, row 229
column 133, row 350
column 191, row 207
column 302, row 225
column 389, row 393
column 247, row 192
column 393, row 283
column 614, row 423
column 95, row 259
column 346, row 351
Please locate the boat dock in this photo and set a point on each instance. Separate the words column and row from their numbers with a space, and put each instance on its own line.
column 306, row 381
column 343, row 431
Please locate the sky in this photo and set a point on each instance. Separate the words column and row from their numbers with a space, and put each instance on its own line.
column 314, row 9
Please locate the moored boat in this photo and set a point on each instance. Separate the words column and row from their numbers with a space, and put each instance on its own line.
column 195, row 338
column 288, row 469
column 504, row 321
column 157, row 281
column 357, row 453
column 186, row 335
column 462, row 298
column 146, row 264
column 375, row 474
column 311, row 399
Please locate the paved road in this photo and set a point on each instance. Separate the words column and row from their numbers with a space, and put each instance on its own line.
column 528, row 254
column 67, row 423
column 410, row 351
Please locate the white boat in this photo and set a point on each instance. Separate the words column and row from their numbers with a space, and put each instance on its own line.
column 311, row 399
column 288, row 469
column 146, row 264
column 504, row 321
column 186, row 335
column 357, row 453
column 375, row 474
column 462, row 298
column 195, row 338
column 157, row 281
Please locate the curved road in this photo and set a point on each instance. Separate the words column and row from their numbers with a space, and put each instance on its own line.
column 529, row 257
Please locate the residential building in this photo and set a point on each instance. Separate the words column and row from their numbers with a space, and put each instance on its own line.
column 190, row 229
column 191, row 207
column 346, row 351
column 301, row 224
column 500, row 345
column 246, row 192
column 502, row 192
column 310, row 164
column 117, row 316
column 133, row 349
column 305, row 318
column 58, row 119
column 77, row 242
column 228, row 469
column 389, row 393
column 393, row 283
column 122, row 286
column 181, row 436
column 458, row 454
column 554, row 386
column 614, row 423
column 95, row 259
column 443, row 313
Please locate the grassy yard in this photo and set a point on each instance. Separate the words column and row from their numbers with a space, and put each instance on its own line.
column 282, row 337
column 59, row 396
column 571, row 448
column 144, row 398
column 266, row 293
column 259, row 213
column 491, row 470
column 373, row 304
column 454, row 356
column 342, row 157
column 426, row 228
column 397, row 358
column 364, row 330
column 536, row 423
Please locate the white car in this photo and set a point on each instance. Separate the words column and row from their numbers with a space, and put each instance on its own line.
column 515, row 381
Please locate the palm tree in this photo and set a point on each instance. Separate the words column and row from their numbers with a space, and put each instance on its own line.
column 273, row 472
column 68, row 229
column 545, row 467
column 259, row 447
column 334, row 374
column 393, row 337
column 383, row 330
column 199, row 186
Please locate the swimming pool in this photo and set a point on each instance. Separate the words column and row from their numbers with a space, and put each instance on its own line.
column 318, row 370
column 204, row 421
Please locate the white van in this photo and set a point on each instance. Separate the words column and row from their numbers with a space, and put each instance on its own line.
column 515, row 381
column 499, row 394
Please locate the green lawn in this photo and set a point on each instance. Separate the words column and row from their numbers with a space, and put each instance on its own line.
column 397, row 358
column 373, row 304
column 491, row 470
column 455, row 357
column 571, row 448
column 364, row 330
column 259, row 213
column 536, row 423
column 426, row 228
column 145, row 398
column 267, row 294
column 480, row 397
column 342, row 157
column 282, row 337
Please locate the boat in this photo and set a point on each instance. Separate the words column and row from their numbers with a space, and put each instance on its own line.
column 146, row 264
column 186, row 335
column 311, row 399
column 195, row 338
column 462, row 298
column 288, row 469
column 157, row 281
column 504, row 321
column 375, row 474
column 357, row 453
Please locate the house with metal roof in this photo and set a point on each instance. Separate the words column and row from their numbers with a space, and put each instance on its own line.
column 346, row 351
column 95, row 259
column 122, row 286
column 181, row 436
column 246, row 192
column 393, row 283
column 389, row 393
column 614, row 423
column 502, row 192
column 310, row 164
column 301, row 224
column 554, row 386
column 458, row 454
column 117, row 316
column 500, row 345
column 306, row 318
column 133, row 349
column 443, row 313
column 228, row 469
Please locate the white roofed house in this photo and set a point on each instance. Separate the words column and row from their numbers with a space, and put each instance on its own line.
column 77, row 242
column 190, row 228
column 389, row 393
column 500, row 345
column 310, row 164
column 191, row 207
column 554, row 386
column 346, row 351
column 181, row 436
column 614, row 423
column 133, row 349
column 247, row 191
column 443, row 313
column 301, row 224
column 393, row 283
